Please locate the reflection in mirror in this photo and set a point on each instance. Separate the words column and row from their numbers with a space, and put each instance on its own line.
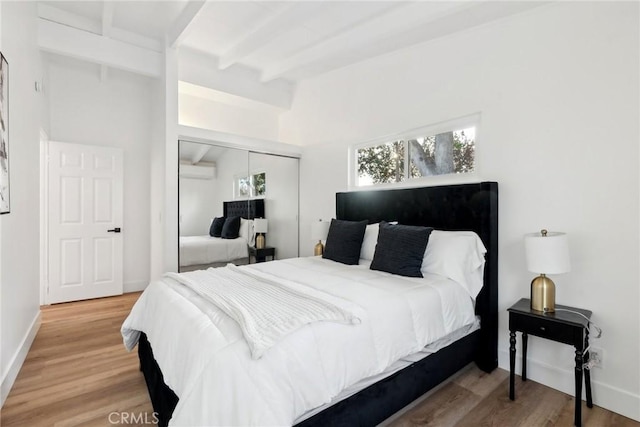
column 218, row 182
column 207, row 179
column 274, row 178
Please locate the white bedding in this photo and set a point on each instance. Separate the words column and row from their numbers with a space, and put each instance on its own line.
column 196, row 250
column 206, row 361
column 266, row 310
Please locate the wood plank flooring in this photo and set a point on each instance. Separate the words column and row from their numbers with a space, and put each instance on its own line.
column 78, row 373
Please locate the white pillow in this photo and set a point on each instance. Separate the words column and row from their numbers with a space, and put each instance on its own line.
column 368, row 248
column 458, row 255
column 246, row 231
column 369, row 242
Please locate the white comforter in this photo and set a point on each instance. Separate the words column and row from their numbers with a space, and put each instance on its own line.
column 207, row 362
column 196, row 250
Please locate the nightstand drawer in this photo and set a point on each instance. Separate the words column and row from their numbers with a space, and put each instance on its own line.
column 545, row 329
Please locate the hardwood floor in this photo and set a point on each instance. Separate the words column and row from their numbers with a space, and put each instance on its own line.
column 78, row 373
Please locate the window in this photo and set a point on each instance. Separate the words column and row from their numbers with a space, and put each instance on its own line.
column 417, row 154
column 250, row 186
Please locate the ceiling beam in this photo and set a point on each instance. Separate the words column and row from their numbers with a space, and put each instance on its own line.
column 95, row 48
column 202, row 70
column 59, row 16
column 292, row 16
column 107, row 18
column 402, row 28
column 182, row 24
column 198, row 155
column 55, row 14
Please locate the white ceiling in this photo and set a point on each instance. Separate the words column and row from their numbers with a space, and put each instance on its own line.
column 289, row 40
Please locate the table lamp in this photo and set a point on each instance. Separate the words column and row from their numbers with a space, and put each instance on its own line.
column 547, row 253
column 319, row 231
column 260, row 226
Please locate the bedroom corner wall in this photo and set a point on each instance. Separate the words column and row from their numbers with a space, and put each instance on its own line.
column 114, row 112
column 19, row 239
column 559, row 131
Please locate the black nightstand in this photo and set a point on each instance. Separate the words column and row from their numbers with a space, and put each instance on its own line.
column 261, row 254
column 560, row 326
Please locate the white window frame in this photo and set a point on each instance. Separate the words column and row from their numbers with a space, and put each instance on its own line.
column 472, row 120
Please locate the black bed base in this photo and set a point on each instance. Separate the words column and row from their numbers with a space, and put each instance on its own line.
column 163, row 399
column 368, row 407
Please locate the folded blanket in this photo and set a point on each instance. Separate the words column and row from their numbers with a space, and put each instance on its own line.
column 265, row 309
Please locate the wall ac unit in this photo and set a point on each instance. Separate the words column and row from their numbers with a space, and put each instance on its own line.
column 197, row 172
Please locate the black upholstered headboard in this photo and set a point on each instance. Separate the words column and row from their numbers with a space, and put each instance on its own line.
column 247, row 209
column 449, row 207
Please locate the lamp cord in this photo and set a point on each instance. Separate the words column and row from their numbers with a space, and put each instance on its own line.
column 590, row 324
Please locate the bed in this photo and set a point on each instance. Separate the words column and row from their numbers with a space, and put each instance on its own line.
column 197, row 252
column 459, row 207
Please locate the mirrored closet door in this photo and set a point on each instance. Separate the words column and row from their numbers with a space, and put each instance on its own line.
column 223, row 183
column 275, row 179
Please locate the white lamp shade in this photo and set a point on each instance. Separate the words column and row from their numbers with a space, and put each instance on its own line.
column 260, row 225
column 319, row 230
column 547, row 254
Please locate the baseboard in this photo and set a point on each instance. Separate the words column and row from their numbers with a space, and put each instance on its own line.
column 135, row 286
column 18, row 359
column 606, row 396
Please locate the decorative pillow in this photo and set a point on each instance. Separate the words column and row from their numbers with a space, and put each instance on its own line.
column 231, row 228
column 246, row 231
column 215, row 230
column 400, row 249
column 370, row 240
column 344, row 241
column 458, row 255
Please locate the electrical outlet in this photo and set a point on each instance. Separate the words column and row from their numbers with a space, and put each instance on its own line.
column 596, row 357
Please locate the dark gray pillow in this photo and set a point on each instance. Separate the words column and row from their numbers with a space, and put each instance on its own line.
column 216, row 226
column 231, row 228
column 344, row 241
column 400, row 249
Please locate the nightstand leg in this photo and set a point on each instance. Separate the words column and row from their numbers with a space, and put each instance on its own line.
column 525, row 337
column 587, row 372
column 578, row 396
column 512, row 364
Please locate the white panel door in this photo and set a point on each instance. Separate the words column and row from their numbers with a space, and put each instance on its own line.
column 84, row 222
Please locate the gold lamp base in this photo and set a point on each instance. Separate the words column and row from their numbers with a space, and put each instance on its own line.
column 318, row 249
column 543, row 294
column 260, row 241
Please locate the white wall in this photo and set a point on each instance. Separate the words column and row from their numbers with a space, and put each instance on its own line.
column 115, row 112
column 199, row 203
column 558, row 91
column 19, row 280
column 208, row 114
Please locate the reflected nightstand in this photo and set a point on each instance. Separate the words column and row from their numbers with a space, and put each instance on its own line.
column 261, row 254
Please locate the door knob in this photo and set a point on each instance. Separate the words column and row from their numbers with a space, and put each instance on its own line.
column 115, row 230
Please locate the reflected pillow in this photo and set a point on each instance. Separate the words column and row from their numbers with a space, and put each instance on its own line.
column 246, row 231
column 231, row 228
column 400, row 249
column 215, row 230
column 458, row 255
column 344, row 241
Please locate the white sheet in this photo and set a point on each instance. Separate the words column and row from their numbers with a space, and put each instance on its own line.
column 196, row 250
column 206, row 361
